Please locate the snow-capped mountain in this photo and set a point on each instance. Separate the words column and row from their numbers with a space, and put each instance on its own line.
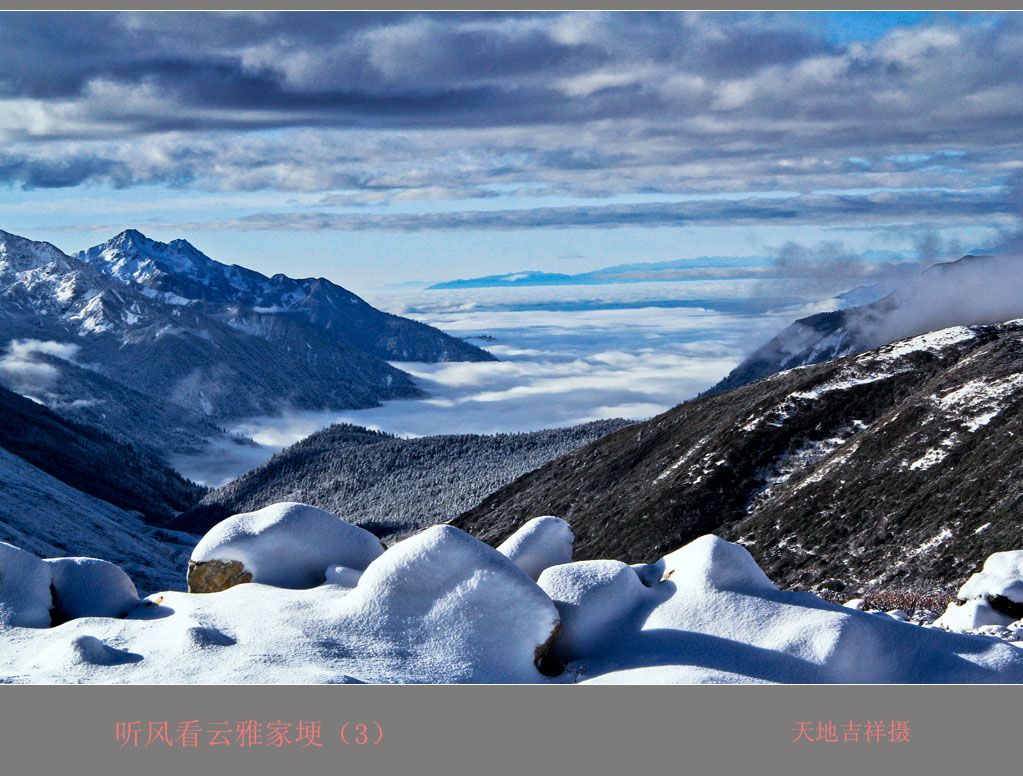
column 896, row 468
column 81, row 341
column 973, row 290
column 271, row 307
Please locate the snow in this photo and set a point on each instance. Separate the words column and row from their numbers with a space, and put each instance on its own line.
column 25, row 598
column 441, row 606
column 979, row 401
column 540, row 543
column 591, row 596
column 942, row 536
column 77, row 523
column 288, row 544
column 844, row 383
column 89, row 587
column 970, row 616
column 456, row 603
column 1002, row 575
column 932, row 341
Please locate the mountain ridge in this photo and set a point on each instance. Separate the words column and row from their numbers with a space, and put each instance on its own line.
column 897, row 467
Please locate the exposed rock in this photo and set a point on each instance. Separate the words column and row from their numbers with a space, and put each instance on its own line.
column 212, row 576
column 1006, row 606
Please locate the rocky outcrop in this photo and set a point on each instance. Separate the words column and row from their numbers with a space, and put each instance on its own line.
column 212, row 576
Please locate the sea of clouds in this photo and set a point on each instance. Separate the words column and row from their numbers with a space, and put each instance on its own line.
column 567, row 355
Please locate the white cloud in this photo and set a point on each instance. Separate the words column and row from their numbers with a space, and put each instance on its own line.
column 558, row 367
column 23, row 371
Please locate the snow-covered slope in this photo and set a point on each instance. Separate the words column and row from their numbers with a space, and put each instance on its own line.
column 88, row 460
column 973, row 290
column 44, row 516
column 441, row 606
column 898, row 468
column 278, row 308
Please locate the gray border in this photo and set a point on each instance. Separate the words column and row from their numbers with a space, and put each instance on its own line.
column 515, row 730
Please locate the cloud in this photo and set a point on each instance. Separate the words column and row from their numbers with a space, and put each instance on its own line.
column 818, row 209
column 394, row 107
column 27, row 367
column 565, row 359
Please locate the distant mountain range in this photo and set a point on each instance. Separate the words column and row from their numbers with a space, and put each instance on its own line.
column 972, row 290
column 157, row 343
column 898, row 468
column 386, row 484
column 703, row 268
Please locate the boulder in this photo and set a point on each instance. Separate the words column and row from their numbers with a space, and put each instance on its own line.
column 539, row 544
column 90, row 587
column 25, row 599
column 285, row 545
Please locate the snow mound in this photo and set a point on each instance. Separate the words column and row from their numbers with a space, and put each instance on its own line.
column 443, row 607
column 288, row 545
column 25, row 598
column 709, row 614
column 713, row 562
column 89, row 587
column 83, row 652
column 456, row 605
column 540, row 543
column 592, row 597
column 976, row 613
column 1001, row 577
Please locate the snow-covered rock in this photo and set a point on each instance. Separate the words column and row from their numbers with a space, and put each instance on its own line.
column 975, row 613
column 463, row 609
column 25, row 599
column 1001, row 577
column 713, row 562
column 991, row 597
column 287, row 545
column 540, row 543
column 90, row 587
column 443, row 607
column 592, row 597
column 712, row 616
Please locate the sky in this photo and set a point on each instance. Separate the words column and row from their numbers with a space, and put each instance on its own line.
column 389, row 148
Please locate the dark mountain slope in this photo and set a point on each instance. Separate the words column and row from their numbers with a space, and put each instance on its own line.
column 89, row 461
column 897, row 467
column 386, row 484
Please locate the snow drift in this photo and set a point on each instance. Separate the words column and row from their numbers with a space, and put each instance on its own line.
column 443, row 607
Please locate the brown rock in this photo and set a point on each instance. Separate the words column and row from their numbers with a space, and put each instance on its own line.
column 212, row 576
column 546, row 663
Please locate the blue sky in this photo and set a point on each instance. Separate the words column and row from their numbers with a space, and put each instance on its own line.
column 385, row 148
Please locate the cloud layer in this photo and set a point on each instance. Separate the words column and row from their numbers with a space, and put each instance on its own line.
column 921, row 123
